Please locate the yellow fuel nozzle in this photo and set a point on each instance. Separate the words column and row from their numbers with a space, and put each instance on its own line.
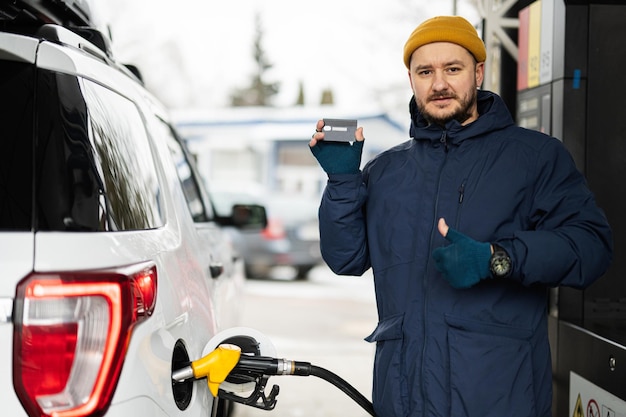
column 216, row 365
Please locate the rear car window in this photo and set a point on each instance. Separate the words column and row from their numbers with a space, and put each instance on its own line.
column 16, row 145
column 92, row 167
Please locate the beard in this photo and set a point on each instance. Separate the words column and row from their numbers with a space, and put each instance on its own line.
column 463, row 112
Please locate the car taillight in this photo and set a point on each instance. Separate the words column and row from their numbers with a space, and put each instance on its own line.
column 273, row 230
column 71, row 333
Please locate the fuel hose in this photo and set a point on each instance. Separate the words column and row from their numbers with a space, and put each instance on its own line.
column 272, row 366
column 227, row 362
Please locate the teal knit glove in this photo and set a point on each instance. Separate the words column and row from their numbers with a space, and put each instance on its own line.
column 464, row 262
column 339, row 157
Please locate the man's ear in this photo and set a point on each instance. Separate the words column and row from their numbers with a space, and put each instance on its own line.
column 480, row 73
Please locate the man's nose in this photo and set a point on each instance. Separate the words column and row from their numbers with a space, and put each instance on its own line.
column 439, row 81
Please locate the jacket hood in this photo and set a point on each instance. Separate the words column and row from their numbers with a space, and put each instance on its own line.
column 493, row 115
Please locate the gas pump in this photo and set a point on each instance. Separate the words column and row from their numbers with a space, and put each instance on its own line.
column 570, row 84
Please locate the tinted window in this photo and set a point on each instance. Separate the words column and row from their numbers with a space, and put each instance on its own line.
column 94, row 167
column 191, row 188
column 16, row 145
column 124, row 158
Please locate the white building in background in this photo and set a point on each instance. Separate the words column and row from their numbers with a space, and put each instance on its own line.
column 269, row 146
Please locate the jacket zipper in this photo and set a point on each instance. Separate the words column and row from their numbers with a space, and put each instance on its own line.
column 444, row 141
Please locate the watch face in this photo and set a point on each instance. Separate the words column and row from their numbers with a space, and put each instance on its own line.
column 500, row 265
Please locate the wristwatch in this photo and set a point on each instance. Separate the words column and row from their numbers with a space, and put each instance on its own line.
column 500, row 262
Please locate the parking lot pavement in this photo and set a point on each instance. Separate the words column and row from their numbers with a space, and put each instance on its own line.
column 322, row 321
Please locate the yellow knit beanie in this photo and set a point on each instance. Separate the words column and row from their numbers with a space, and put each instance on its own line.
column 454, row 29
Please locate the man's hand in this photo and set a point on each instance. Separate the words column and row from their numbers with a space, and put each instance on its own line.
column 464, row 262
column 337, row 157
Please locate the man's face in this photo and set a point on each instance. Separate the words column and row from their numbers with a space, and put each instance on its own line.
column 444, row 77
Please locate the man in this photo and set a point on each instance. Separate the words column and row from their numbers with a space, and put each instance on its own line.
column 465, row 226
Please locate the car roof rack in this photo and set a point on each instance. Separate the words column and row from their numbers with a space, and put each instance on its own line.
column 70, row 14
column 96, row 37
column 75, row 38
column 66, row 22
column 93, row 43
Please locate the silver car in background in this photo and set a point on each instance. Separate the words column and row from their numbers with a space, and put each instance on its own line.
column 288, row 245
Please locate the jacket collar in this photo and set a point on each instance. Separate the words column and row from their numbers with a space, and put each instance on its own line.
column 493, row 115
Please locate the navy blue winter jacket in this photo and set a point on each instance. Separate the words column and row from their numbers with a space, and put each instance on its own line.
column 482, row 351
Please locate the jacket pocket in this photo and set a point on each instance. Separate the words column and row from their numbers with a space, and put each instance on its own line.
column 389, row 392
column 490, row 370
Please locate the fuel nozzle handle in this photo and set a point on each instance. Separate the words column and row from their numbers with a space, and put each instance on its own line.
column 262, row 365
column 215, row 367
column 227, row 360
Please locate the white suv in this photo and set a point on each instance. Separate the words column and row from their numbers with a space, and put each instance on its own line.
column 114, row 270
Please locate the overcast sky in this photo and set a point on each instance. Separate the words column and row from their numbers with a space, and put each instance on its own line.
column 195, row 52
